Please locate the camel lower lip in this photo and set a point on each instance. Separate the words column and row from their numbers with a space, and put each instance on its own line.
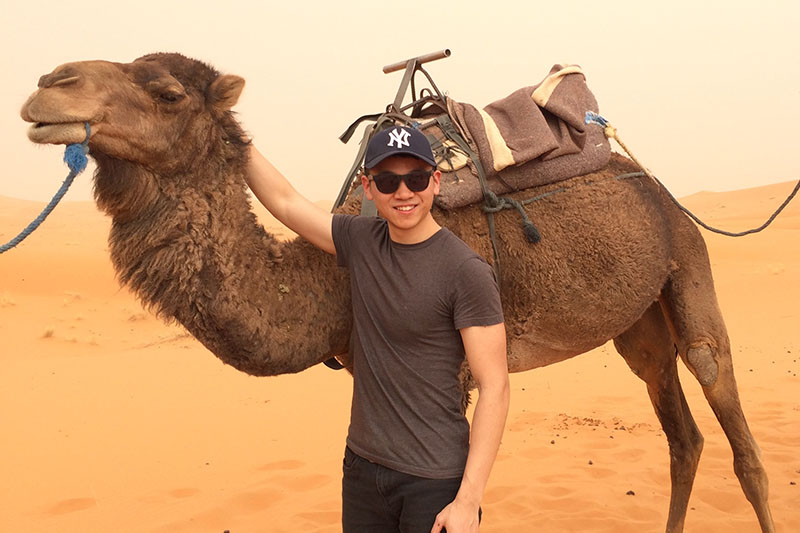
column 57, row 133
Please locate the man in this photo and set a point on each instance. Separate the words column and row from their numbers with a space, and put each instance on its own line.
column 422, row 301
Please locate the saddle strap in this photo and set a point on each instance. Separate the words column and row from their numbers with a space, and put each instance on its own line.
column 452, row 133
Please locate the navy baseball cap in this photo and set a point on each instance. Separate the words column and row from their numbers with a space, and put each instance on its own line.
column 398, row 140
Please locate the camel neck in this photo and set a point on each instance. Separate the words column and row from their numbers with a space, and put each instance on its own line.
column 199, row 256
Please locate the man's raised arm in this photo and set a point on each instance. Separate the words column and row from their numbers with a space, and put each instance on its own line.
column 295, row 211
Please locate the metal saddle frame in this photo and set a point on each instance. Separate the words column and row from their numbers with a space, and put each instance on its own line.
column 429, row 103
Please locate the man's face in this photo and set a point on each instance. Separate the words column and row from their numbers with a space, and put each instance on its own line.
column 403, row 209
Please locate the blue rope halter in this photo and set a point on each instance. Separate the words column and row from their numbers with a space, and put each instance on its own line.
column 75, row 158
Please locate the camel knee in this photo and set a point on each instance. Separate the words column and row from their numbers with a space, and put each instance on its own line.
column 700, row 358
column 752, row 476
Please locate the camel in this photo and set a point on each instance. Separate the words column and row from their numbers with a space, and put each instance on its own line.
column 617, row 259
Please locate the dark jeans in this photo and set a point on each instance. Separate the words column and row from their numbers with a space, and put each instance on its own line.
column 376, row 499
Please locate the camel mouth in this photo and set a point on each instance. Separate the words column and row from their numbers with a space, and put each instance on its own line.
column 57, row 132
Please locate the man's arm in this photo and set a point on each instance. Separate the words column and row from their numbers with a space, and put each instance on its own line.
column 485, row 347
column 286, row 204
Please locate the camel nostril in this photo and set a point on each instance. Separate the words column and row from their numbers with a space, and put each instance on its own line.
column 65, row 81
column 60, row 79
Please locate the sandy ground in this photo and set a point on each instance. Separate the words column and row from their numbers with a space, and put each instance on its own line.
column 113, row 421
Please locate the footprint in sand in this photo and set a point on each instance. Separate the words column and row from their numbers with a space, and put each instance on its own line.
column 504, row 492
column 630, row 455
column 304, row 483
column 6, row 300
column 137, row 317
column 254, row 501
column 282, row 465
column 322, row 518
column 183, row 492
column 602, row 473
column 71, row 505
column 71, row 297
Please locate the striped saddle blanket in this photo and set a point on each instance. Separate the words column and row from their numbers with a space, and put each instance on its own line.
column 534, row 136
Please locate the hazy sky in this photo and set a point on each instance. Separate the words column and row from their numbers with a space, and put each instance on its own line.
column 706, row 93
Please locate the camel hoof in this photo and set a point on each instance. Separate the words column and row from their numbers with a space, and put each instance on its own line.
column 700, row 360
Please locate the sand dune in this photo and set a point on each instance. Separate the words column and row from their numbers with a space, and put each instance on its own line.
column 113, row 421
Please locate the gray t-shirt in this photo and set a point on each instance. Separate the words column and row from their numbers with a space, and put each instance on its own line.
column 409, row 301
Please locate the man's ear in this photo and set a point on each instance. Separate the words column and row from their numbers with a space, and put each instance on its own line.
column 437, row 178
column 367, row 186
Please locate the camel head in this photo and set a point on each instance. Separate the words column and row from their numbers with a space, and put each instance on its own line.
column 160, row 127
column 162, row 111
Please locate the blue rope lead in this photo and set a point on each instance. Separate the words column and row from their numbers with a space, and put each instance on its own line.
column 76, row 160
column 594, row 118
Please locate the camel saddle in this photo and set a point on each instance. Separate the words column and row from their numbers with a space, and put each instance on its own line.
column 535, row 136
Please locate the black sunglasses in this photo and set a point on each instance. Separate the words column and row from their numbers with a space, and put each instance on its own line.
column 416, row 181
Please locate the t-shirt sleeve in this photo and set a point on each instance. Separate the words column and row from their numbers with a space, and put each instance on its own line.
column 341, row 227
column 476, row 297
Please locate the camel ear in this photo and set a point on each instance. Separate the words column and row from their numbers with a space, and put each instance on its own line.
column 223, row 93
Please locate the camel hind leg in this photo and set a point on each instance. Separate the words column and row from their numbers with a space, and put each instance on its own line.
column 649, row 350
column 690, row 305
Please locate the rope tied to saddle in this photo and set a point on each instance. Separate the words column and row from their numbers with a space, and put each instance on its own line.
column 611, row 132
column 76, row 160
column 491, row 202
column 494, row 204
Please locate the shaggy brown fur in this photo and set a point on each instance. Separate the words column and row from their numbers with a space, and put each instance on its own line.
column 617, row 259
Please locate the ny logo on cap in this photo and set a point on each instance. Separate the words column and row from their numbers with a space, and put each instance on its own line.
column 401, row 136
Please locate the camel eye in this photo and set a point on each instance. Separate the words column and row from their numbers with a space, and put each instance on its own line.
column 171, row 97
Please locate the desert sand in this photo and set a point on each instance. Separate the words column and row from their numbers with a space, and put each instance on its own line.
column 114, row 421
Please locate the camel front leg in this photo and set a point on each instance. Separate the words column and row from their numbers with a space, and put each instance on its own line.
column 649, row 350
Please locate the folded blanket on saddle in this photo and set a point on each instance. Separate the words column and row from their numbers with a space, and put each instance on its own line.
column 532, row 137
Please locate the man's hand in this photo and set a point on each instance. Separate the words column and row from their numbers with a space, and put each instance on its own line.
column 459, row 516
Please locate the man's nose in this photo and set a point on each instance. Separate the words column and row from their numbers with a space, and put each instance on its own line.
column 403, row 191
